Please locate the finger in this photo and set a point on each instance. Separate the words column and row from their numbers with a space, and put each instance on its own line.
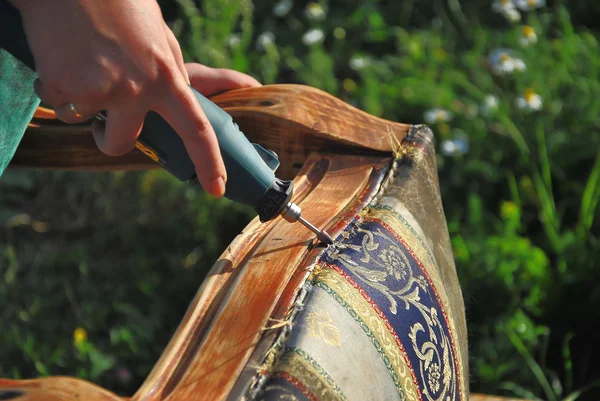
column 116, row 135
column 177, row 54
column 72, row 114
column 182, row 111
column 209, row 81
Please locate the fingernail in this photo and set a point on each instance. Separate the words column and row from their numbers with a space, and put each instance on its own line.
column 218, row 187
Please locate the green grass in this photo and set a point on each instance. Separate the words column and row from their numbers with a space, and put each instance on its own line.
column 121, row 255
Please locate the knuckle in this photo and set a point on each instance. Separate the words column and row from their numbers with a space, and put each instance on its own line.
column 202, row 127
column 164, row 69
column 197, row 130
column 131, row 88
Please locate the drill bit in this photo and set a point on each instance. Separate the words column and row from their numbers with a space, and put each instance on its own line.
column 293, row 213
column 321, row 235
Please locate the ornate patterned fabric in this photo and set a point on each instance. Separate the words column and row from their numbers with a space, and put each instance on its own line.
column 382, row 316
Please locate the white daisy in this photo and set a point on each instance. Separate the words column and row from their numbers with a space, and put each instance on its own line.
column 234, row 39
column 457, row 146
column 502, row 62
column 313, row 36
column 359, row 62
column 451, row 147
column 530, row 101
column 518, row 64
column 507, row 9
column 490, row 104
column 283, row 7
column 527, row 5
column 528, row 36
column 315, row 12
column 437, row 115
column 265, row 39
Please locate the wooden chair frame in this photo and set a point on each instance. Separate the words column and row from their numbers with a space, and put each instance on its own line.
column 338, row 157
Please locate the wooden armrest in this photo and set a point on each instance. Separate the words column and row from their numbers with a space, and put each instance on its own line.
column 292, row 120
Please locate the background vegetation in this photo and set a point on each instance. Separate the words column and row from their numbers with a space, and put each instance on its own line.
column 96, row 270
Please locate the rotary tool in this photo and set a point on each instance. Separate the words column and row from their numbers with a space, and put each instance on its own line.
column 250, row 168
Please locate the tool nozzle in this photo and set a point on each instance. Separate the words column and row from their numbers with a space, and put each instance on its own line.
column 293, row 213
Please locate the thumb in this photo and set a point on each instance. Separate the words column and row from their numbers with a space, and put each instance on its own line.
column 118, row 134
column 210, row 81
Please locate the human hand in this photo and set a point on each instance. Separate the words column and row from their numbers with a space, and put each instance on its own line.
column 120, row 56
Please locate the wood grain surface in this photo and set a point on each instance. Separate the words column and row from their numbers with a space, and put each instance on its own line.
column 217, row 349
column 54, row 389
column 292, row 120
column 176, row 357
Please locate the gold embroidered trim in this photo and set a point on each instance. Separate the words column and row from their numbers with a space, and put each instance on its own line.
column 306, row 370
column 396, row 359
column 431, row 267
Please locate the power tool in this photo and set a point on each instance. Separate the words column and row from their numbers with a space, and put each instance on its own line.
column 250, row 168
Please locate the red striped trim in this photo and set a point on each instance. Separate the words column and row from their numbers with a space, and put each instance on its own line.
column 296, row 383
column 416, row 144
column 379, row 313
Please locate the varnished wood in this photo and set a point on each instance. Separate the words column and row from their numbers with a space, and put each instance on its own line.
column 292, row 120
column 215, row 352
column 215, row 357
column 54, row 389
column 72, row 389
column 184, row 344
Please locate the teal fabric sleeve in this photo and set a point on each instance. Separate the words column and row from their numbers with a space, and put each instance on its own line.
column 17, row 104
column 17, row 73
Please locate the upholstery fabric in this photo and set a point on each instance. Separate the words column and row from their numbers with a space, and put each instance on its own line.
column 383, row 316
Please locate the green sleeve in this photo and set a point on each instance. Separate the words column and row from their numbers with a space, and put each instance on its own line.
column 17, row 104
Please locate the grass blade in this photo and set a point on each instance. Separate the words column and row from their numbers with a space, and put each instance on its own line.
column 589, row 200
column 533, row 365
column 576, row 394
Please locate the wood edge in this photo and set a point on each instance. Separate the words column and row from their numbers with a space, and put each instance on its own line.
column 266, row 100
column 197, row 319
column 51, row 144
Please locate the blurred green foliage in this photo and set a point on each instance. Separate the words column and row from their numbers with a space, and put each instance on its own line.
column 120, row 255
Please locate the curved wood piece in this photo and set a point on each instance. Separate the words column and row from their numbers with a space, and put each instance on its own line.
column 250, row 280
column 252, row 309
column 54, row 389
column 292, row 120
column 213, row 290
